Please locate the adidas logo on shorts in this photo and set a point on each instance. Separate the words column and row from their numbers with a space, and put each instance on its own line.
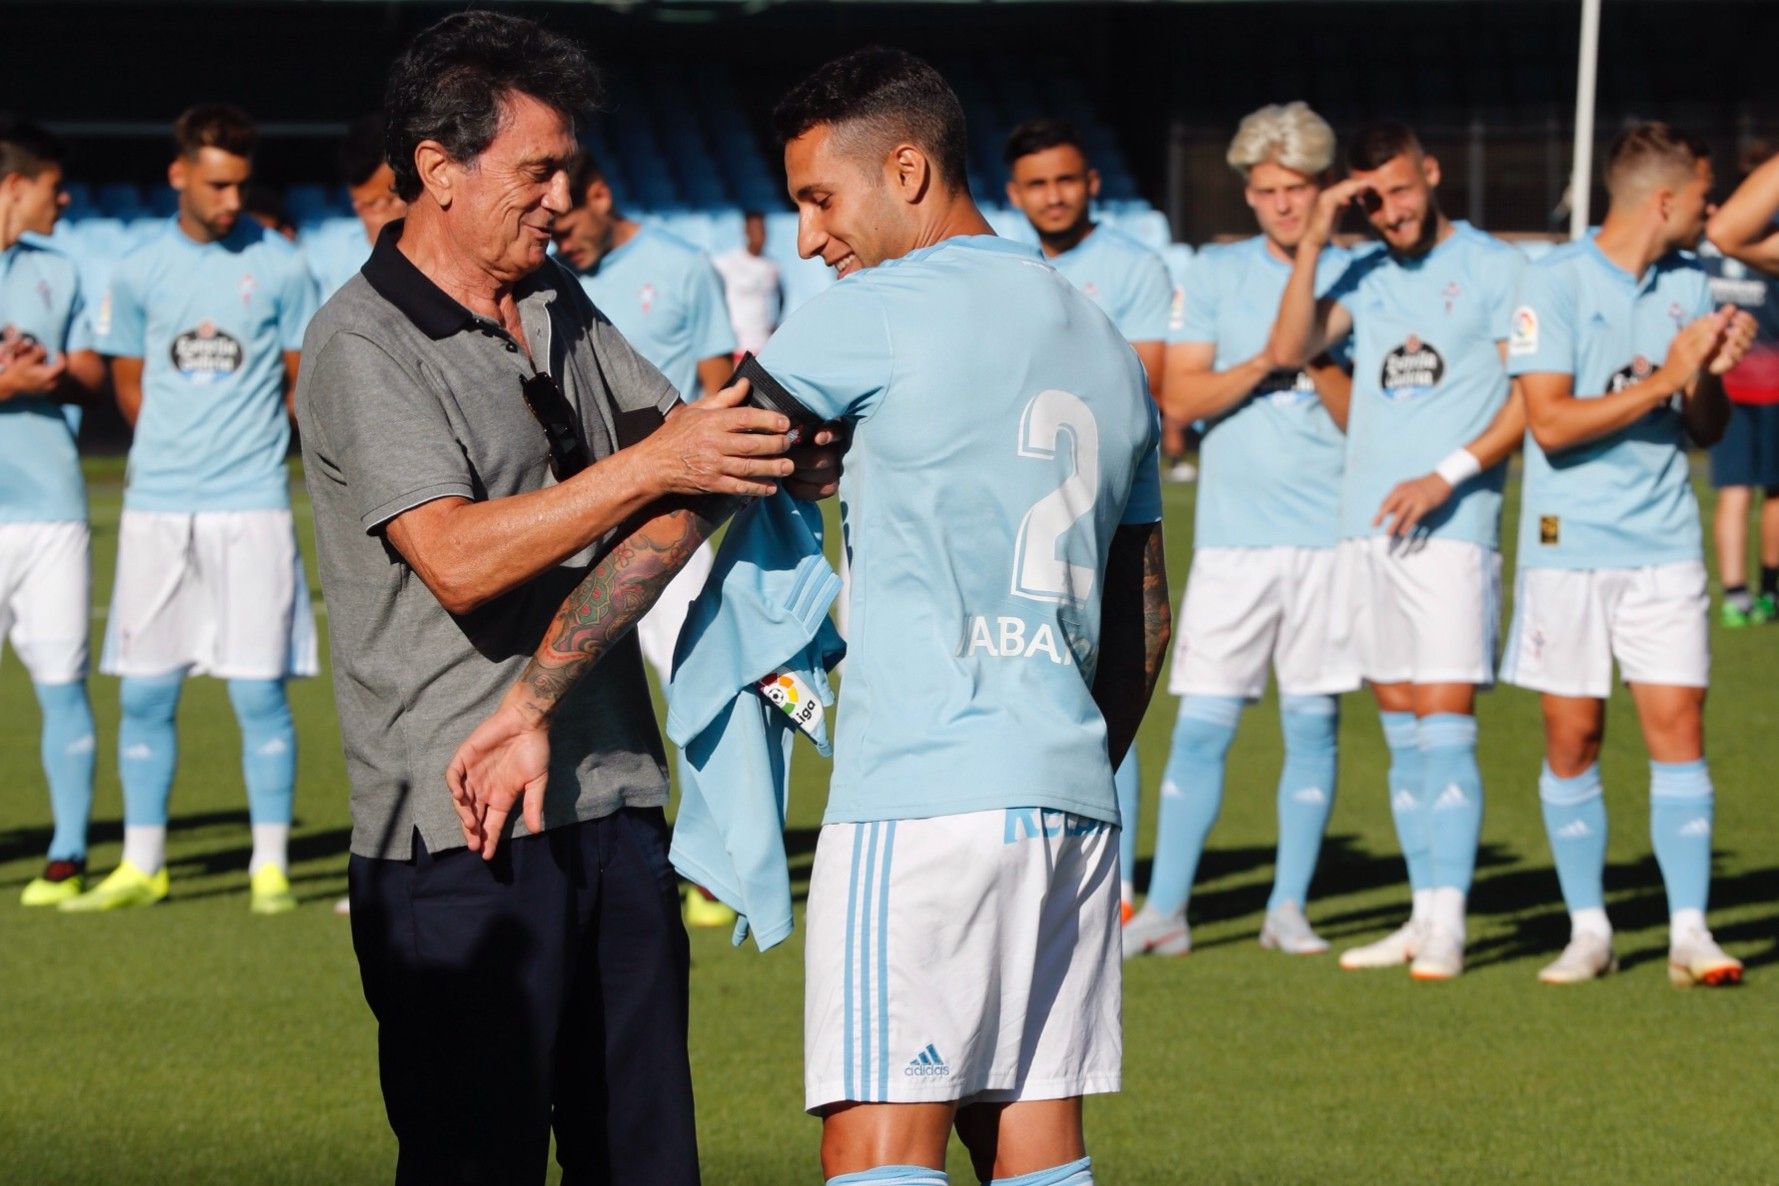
column 926, row 1065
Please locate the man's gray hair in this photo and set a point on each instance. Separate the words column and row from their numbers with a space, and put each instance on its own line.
column 1288, row 134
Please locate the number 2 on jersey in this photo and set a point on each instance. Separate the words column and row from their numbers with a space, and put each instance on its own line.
column 1039, row 572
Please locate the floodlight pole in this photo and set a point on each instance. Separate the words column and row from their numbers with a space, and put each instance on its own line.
column 1581, row 181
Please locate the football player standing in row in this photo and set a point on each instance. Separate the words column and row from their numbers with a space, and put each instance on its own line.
column 202, row 325
column 1429, row 310
column 1263, row 566
column 1620, row 359
column 1054, row 185
column 47, row 369
column 1747, row 459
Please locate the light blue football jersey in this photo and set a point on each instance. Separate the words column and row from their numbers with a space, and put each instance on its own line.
column 667, row 300
column 211, row 322
column 1269, row 468
column 1002, row 430
column 40, row 481
column 1427, row 375
column 1124, row 278
column 335, row 254
column 1626, row 499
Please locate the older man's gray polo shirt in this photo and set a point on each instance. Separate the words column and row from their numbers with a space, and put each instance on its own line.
column 404, row 397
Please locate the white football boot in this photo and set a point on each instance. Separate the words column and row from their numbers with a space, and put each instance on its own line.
column 1439, row 955
column 1392, row 951
column 1287, row 930
column 1695, row 958
column 1150, row 932
column 1589, row 956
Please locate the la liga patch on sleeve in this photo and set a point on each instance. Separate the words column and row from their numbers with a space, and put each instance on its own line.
column 1524, row 339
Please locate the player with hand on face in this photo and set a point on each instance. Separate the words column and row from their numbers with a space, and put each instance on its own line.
column 202, row 325
column 1265, row 535
column 47, row 370
column 1002, row 504
column 1053, row 184
column 1620, row 358
column 1431, row 421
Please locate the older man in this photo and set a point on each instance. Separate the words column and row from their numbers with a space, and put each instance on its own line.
column 475, row 433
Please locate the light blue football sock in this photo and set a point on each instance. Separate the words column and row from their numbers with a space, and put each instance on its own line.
column 1306, row 792
column 1129, row 783
column 268, row 747
column 1191, row 796
column 1680, row 812
column 68, row 751
column 148, row 746
column 1575, row 822
column 893, row 1175
column 1452, row 790
column 1406, row 809
column 1075, row 1173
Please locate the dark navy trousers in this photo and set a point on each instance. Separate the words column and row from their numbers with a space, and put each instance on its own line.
column 543, row 990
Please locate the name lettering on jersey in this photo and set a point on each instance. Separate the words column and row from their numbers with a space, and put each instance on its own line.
column 1029, row 823
column 1412, row 370
column 1008, row 637
column 204, row 353
column 1524, row 338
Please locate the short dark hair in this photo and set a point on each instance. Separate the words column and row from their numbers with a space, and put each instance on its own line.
column 361, row 152
column 1379, row 144
column 452, row 81
column 751, row 213
column 583, row 171
column 26, row 148
column 215, row 125
column 265, row 201
column 1037, row 135
column 901, row 97
column 1652, row 145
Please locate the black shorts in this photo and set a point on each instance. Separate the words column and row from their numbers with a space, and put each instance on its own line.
column 1748, row 455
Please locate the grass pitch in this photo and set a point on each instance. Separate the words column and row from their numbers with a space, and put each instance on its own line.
column 194, row 1043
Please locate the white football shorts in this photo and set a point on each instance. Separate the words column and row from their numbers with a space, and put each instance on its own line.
column 1422, row 612
column 46, row 597
column 1247, row 609
column 220, row 593
column 658, row 632
column 967, row 957
column 1569, row 624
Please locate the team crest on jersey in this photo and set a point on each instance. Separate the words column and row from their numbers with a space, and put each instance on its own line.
column 205, row 353
column 1678, row 315
column 1091, row 291
column 102, row 316
column 45, row 293
column 1524, row 339
column 1451, row 292
column 246, row 288
column 645, row 296
column 1176, row 311
column 1412, row 370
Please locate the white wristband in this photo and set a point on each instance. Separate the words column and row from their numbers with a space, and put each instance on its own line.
column 1459, row 466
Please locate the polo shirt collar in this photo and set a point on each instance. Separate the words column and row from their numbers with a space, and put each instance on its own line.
column 433, row 312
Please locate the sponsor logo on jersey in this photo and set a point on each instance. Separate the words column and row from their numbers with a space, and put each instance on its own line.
column 927, row 1065
column 1635, row 371
column 1412, row 370
column 205, row 353
column 1524, row 339
column 1287, row 387
column 793, row 697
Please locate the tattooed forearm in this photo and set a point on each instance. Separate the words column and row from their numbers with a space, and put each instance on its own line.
column 1135, row 624
column 614, row 596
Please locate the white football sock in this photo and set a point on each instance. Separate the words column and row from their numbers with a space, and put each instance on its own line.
column 145, row 846
column 1422, row 910
column 271, row 846
column 1590, row 920
column 1448, row 910
column 1684, row 924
